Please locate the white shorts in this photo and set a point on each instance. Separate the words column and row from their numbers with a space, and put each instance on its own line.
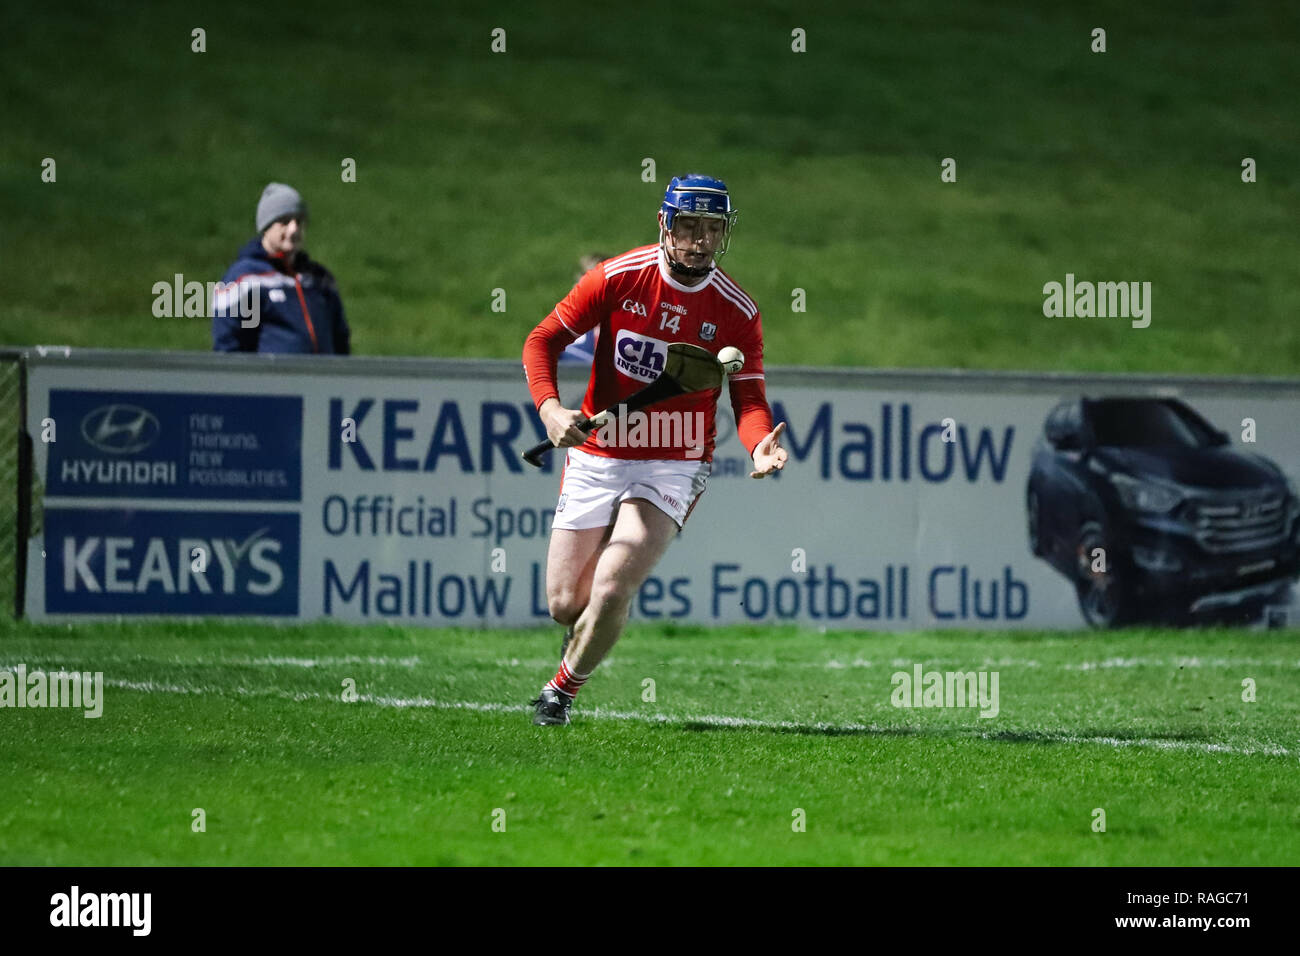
column 592, row 487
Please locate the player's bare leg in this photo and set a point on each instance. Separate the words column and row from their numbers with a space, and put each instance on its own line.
column 570, row 566
column 641, row 535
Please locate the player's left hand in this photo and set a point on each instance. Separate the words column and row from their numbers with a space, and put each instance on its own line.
column 769, row 456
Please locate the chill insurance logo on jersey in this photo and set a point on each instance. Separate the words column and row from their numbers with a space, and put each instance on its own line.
column 639, row 356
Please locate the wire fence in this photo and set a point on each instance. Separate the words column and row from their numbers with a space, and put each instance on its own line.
column 10, row 430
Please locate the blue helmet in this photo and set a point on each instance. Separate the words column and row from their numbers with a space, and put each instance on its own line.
column 698, row 195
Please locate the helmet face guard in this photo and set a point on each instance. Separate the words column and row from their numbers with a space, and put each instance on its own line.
column 703, row 197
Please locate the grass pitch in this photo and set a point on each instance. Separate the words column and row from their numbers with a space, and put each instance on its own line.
column 748, row 725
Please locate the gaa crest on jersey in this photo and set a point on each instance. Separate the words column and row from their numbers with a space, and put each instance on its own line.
column 639, row 356
column 707, row 331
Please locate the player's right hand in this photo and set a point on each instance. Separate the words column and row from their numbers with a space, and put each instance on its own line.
column 562, row 424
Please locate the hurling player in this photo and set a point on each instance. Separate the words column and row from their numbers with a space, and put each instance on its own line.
column 620, row 506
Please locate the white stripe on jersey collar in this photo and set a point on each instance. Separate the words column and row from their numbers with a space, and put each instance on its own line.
column 666, row 274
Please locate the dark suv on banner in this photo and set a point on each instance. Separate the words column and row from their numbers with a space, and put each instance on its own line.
column 1151, row 513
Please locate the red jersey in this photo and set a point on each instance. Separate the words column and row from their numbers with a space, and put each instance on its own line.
column 640, row 309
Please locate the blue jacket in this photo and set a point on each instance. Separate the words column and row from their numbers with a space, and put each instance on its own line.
column 299, row 308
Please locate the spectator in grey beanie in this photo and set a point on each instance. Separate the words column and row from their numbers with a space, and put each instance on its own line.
column 275, row 298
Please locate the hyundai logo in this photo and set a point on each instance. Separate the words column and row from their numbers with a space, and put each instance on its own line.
column 120, row 429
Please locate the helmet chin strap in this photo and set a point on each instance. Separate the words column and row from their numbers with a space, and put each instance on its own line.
column 694, row 272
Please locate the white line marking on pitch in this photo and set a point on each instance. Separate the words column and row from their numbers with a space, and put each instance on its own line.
column 411, row 662
column 710, row 720
column 350, row 660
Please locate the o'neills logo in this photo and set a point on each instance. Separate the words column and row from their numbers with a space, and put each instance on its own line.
column 76, row 908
